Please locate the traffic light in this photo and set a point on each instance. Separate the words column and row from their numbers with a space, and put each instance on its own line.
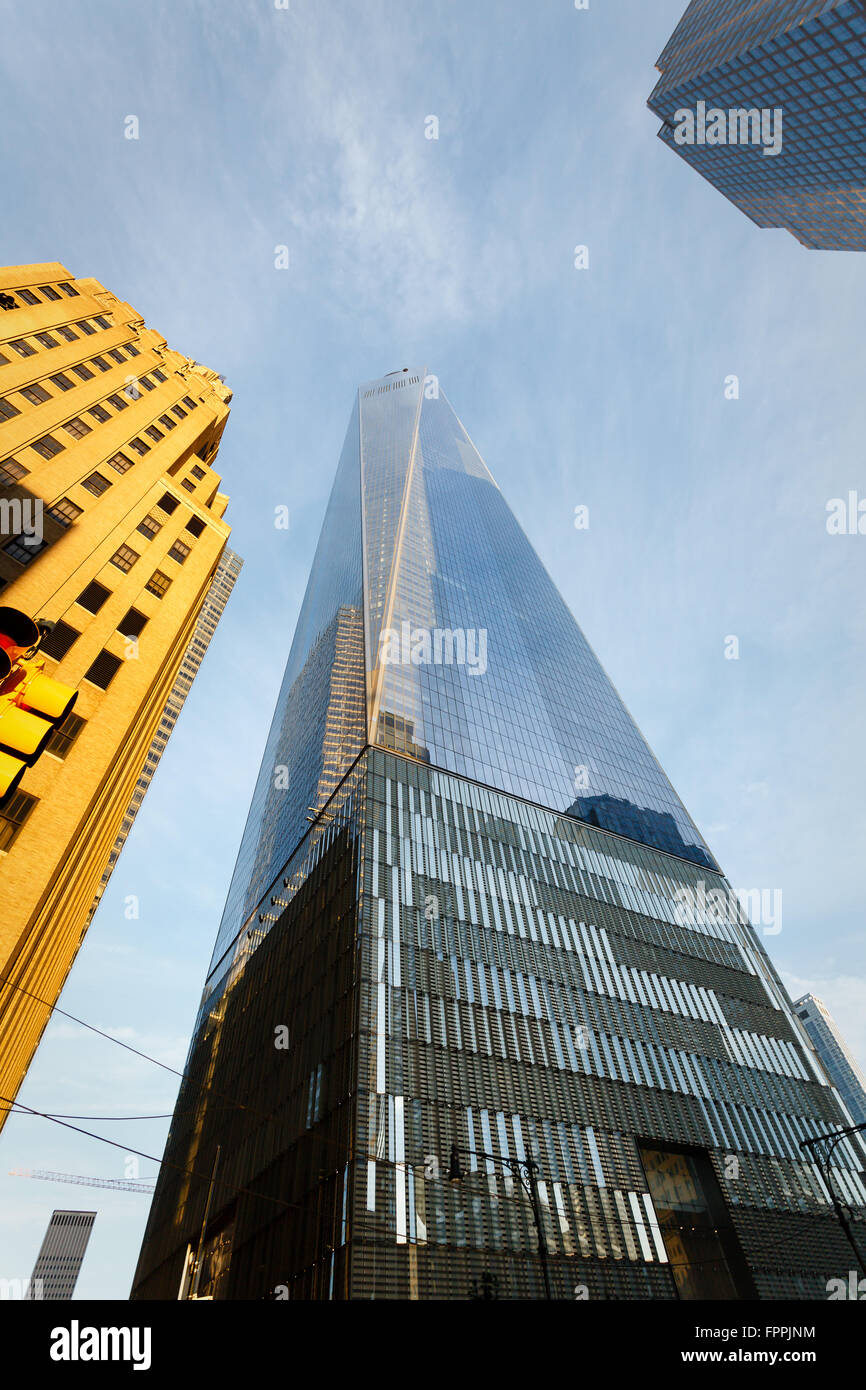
column 32, row 704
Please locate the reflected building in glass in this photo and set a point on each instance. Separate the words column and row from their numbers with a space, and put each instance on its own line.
column 775, row 92
column 469, row 908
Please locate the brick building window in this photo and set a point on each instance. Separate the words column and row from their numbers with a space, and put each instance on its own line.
column 58, row 642
column 125, row 557
column 14, row 811
column 103, row 670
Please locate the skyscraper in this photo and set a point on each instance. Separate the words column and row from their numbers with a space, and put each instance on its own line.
column 218, row 595
column 112, row 529
column 839, row 1061
column 768, row 102
column 58, row 1263
column 469, row 909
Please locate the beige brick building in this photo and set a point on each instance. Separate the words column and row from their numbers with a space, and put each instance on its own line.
column 111, row 526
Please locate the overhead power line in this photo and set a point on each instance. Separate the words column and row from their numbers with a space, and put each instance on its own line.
column 160, row 1162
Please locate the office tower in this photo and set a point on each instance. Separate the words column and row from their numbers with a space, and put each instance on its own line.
column 113, row 529
column 218, row 595
column 55, row 1273
column 472, row 911
column 839, row 1062
column 766, row 101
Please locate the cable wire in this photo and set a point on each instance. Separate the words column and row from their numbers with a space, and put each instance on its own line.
column 160, row 1162
column 55, row 1008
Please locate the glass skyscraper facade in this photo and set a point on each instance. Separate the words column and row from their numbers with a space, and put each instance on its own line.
column 840, row 1063
column 470, row 909
column 802, row 59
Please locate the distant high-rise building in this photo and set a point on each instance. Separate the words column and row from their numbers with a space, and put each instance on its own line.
column 218, row 595
column 469, row 909
column 767, row 101
column 111, row 527
column 839, row 1061
column 55, row 1273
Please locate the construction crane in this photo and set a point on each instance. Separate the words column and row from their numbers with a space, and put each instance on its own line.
column 126, row 1184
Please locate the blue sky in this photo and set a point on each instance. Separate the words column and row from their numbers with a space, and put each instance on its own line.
column 305, row 128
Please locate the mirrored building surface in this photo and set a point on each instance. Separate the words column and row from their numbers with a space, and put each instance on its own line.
column 469, row 909
column 431, row 627
column 776, row 92
column 839, row 1061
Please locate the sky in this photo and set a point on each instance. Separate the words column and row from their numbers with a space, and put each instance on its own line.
column 305, row 128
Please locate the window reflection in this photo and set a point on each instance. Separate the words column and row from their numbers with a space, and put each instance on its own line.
column 701, row 1245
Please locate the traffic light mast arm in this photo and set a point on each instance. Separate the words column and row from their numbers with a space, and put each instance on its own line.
column 517, row 1165
column 836, row 1135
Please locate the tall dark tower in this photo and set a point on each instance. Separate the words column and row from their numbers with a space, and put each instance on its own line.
column 767, row 99
column 469, row 909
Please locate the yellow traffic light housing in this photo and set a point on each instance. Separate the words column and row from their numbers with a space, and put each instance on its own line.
column 11, row 772
column 32, row 704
